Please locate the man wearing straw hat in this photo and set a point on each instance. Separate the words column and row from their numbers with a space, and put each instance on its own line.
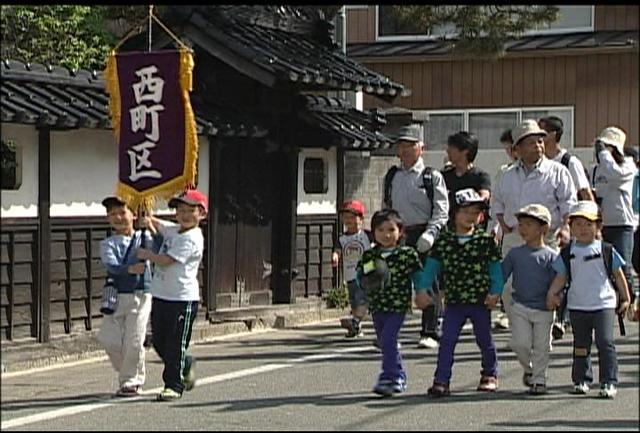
column 532, row 179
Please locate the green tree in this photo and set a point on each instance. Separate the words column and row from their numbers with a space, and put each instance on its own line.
column 68, row 35
column 480, row 30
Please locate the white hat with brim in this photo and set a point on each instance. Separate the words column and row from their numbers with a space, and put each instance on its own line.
column 585, row 208
column 613, row 137
column 525, row 129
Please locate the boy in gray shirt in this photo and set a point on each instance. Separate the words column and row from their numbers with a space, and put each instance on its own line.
column 531, row 265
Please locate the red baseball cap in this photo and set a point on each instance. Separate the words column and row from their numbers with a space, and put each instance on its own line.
column 354, row 206
column 191, row 197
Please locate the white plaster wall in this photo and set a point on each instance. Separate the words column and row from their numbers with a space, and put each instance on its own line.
column 315, row 204
column 84, row 170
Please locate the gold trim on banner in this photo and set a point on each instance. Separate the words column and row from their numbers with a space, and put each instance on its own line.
column 113, row 88
column 146, row 199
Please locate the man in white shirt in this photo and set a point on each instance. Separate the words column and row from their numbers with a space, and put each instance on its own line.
column 554, row 127
column 532, row 179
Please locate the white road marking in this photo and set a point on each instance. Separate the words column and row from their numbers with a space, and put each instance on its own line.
column 87, row 407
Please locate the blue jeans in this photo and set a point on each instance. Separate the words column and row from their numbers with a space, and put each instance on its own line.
column 621, row 237
column 387, row 326
column 454, row 317
column 584, row 323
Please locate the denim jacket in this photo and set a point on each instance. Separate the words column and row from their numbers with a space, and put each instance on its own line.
column 112, row 253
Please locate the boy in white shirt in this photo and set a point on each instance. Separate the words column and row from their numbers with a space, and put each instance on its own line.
column 591, row 299
column 175, row 290
column 352, row 244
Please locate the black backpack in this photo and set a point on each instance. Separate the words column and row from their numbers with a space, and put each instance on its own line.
column 565, row 161
column 607, row 257
column 427, row 181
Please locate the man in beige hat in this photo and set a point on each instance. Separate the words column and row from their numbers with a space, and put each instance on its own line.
column 532, row 179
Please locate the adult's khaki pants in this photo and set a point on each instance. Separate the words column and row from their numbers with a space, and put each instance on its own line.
column 530, row 336
column 122, row 336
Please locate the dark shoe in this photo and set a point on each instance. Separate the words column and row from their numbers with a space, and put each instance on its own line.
column 526, row 379
column 384, row 388
column 488, row 384
column 168, row 394
column 148, row 340
column 538, row 389
column 399, row 386
column 557, row 331
column 128, row 391
column 190, row 376
column 439, row 390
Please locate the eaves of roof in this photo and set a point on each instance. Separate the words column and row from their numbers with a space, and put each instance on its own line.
column 271, row 55
column 578, row 42
column 64, row 99
column 358, row 130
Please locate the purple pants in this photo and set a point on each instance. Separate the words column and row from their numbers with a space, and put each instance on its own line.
column 387, row 327
column 454, row 317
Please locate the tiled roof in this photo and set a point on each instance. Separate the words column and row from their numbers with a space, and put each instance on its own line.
column 60, row 98
column 359, row 130
column 288, row 54
column 599, row 39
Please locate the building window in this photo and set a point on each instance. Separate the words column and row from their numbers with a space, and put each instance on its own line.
column 11, row 165
column 315, row 176
column 570, row 19
column 487, row 124
column 389, row 25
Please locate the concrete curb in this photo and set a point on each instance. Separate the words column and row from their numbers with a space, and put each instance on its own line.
column 24, row 356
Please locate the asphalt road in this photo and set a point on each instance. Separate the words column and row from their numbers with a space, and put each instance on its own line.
column 311, row 378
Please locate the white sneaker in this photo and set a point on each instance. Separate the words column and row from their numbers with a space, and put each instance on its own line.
column 468, row 326
column 502, row 321
column 581, row 388
column 608, row 390
column 427, row 343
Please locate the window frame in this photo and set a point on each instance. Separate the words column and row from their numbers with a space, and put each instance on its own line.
column 537, row 32
column 325, row 175
column 425, row 114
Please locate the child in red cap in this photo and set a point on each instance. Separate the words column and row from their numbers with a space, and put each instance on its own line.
column 351, row 244
column 176, row 291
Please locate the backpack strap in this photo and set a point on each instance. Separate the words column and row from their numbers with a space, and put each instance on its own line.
column 427, row 182
column 565, row 159
column 607, row 257
column 565, row 254
column 388, row 179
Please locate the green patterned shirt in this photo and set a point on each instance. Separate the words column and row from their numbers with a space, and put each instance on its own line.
column 403, row 263
column 465, row 268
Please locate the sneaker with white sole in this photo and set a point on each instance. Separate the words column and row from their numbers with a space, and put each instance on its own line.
column 581, row 388
column 168, row 394
column 428, row 343
column 607, row 390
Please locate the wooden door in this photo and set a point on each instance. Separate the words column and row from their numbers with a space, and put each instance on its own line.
column 243, row 262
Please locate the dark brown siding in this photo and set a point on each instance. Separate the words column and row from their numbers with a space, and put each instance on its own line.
column 361, row 25
column 618, row 17
column 603, row 88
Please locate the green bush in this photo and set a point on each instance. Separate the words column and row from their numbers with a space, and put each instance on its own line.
column 337, row 297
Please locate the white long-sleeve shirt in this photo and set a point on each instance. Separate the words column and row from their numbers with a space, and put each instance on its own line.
column 549, row 183
column 614, row 184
